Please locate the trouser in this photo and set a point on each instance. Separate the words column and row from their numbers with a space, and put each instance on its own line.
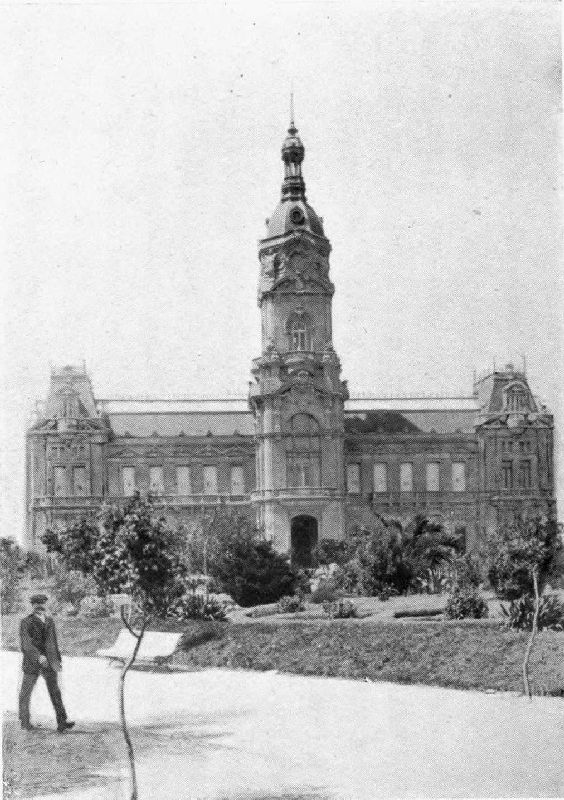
column 28, row 682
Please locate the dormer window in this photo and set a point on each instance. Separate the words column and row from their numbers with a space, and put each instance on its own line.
column 516, row 399
column 68, row 405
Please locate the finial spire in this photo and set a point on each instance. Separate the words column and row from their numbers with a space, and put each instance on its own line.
column 292, row 126
column 293, row 187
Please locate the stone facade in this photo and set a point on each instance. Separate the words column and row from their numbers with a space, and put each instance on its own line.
column 299, row 454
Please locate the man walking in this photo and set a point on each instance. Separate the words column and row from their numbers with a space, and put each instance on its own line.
column 41, row 656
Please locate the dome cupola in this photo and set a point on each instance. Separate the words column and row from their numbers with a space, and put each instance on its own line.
column 293, row 212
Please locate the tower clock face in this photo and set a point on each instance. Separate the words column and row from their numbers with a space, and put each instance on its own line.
column 297, row 216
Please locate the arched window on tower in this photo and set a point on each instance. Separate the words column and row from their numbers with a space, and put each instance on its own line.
column 517, row 398
column 303, row 452
column 68, row 404
column 299, row 331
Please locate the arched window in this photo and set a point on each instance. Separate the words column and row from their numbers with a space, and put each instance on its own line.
column 516, row 398
column 68, row 404
column 303, row 452
column 299, row 331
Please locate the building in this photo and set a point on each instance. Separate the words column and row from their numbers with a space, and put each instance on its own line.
column 300, row 453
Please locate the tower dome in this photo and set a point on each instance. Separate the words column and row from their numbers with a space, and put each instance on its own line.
column 293, row 211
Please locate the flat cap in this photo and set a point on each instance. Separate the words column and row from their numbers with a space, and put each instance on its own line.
column 36, row 599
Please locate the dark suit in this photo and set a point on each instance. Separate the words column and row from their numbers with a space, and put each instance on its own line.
column 37, row 639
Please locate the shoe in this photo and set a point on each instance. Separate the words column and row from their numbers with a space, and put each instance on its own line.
column 65, row 726
column 28, row 727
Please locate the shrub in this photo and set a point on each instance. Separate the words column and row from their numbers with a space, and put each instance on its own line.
column 253, row 573
column 429, row 553
column 93, row 606
column 340, row 609
column 521, row 611
column 291, row 604
column 197, row 606
column 12, row 567
column 72, row 586
column 386, row 592
column 327, row 591
column 333, row 551
column 466, row 603
column 467, row 571
column 199, row 632
column 418, row 612
column 379, row 566
column 515, row 549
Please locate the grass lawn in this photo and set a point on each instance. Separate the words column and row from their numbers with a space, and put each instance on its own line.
column 468, row 655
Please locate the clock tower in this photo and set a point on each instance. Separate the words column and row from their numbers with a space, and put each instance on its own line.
column 297, row 396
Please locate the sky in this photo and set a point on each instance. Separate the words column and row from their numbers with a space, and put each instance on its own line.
column 141, row 156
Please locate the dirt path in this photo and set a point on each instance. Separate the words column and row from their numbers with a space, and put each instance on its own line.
column 223, row 735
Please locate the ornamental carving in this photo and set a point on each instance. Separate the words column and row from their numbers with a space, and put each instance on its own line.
column 300, row 269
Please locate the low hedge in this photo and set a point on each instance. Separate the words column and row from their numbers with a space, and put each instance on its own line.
column 466, row 656
column 473, row 654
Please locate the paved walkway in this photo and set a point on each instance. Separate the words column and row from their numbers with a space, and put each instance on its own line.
column 251, row 736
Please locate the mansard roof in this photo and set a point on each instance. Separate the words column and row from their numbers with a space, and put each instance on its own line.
column 231, row 416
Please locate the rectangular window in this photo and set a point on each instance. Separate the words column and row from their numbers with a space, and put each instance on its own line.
column 353, row 478
column 380, row 477
column 458, row 476
column 237, row 480
column 156, row 480
column 128, row 481
column 60, row 482
column 183, row 483
column 302, row 470
column 525, row 475
column 432, row 476
column 210, row 480
column 507, row 475
column 79, row 482
column 406, row 477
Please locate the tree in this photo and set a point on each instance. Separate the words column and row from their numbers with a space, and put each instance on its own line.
column 228, row 548
column 516, row 548
column 13, row 562
column 381, row 557
column 522, row 557
column 429, row 550
column 125, row 550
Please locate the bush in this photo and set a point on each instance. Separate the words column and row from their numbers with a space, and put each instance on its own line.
column 12, row 568
column 466, row 603
column 382, row 559
column 93, row 606
column 197, row 606
column 72, row 586
column 378, row 567
column 521, row 611
column 468, row 571
column 386, row 592
column 199, row 632
column 430, row 553
column 340, row 609
column 518, row 547
column 291, row 604
column 253, row 573
column 327, row 592
column 333, row 551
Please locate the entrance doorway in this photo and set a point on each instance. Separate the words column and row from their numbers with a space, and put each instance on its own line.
column 303, row 541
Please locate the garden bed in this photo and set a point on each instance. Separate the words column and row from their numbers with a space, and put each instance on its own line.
column 471, row 654
column 466, row 656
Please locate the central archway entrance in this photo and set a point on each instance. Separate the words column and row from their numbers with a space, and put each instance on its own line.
column 303, row 539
